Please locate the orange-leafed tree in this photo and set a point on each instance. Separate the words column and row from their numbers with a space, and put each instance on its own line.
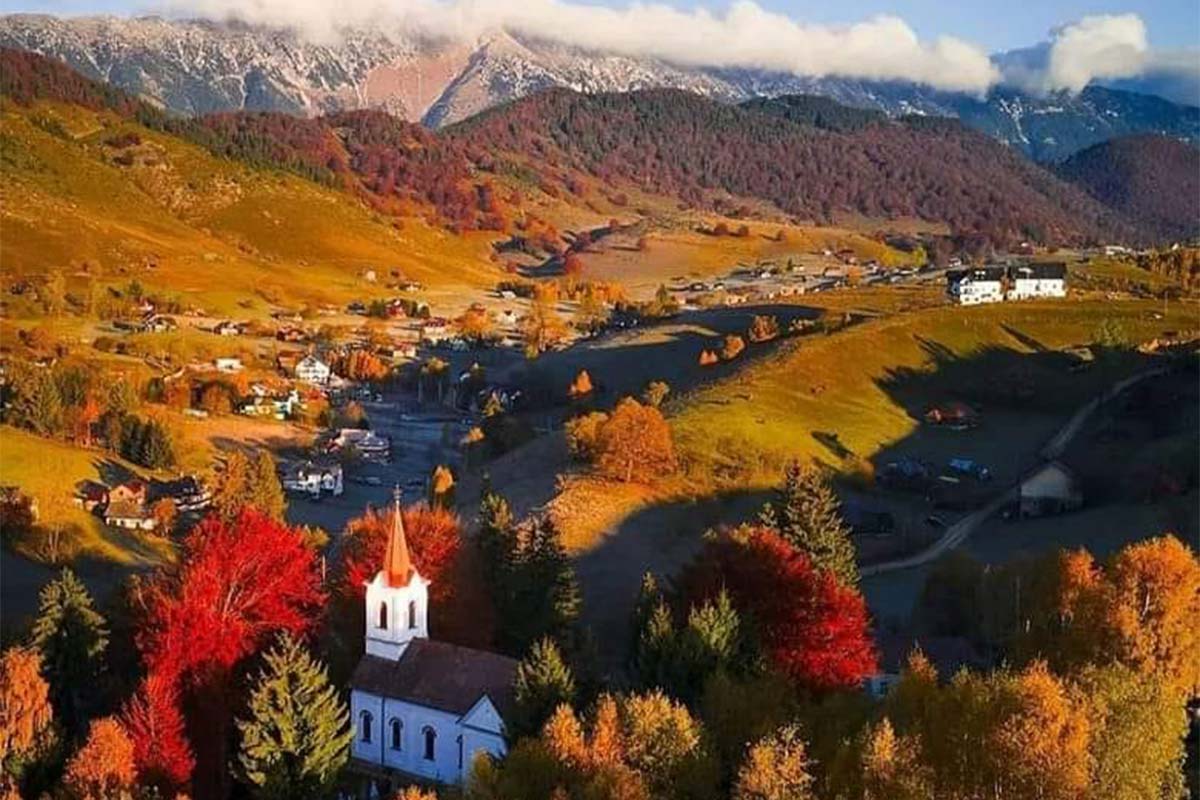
column 732, row 347
column 635, row 443
column 813, row 628
column 104, row 767
column 25, row 712
column 581, row 386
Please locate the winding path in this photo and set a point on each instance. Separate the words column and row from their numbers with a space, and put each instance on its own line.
column 957, row 533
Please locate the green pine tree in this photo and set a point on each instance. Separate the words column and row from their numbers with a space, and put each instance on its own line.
column 297, row 734
column 807, row 513
column 543, row 683
column 656, row 657
column 71, row 636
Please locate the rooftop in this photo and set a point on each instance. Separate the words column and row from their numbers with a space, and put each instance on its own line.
column 440, row 675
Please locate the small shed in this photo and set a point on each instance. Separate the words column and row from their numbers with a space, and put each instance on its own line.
column 1052, row 488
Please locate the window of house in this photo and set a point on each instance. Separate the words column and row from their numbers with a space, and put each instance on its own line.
column 412, row 614
column 460, row 752
column 397, row 733
column 430, row 740
column 383, row 616
column 364, row 727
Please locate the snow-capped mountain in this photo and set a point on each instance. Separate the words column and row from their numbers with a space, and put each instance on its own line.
column 196, row 67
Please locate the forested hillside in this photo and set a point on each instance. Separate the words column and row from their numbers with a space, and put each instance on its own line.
column 1152, row 180
column 679, row 144
column 664, row 142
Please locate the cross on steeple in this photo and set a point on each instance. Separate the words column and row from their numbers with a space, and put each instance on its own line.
column 397, row 567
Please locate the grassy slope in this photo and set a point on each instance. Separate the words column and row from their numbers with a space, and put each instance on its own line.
column 219, row 231
column 48, row 471
column 838, row 383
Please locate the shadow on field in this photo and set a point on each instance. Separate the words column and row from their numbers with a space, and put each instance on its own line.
column 623, row 363
column 659, row 539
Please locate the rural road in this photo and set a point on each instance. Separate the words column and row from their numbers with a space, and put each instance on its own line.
column 957, row 533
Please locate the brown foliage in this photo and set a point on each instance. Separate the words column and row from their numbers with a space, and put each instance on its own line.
column 25, row 712
column 104, row 766
column 635, row 443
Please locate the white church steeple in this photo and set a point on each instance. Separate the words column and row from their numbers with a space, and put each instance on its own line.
column 397, row 598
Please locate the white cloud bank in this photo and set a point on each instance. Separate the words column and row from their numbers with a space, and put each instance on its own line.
column 1102, row 47
column 746, row 35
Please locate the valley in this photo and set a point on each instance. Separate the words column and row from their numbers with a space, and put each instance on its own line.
column 660, row 392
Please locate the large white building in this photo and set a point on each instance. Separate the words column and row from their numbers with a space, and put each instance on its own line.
column 970, row 287
column 1036, row 280
column 421, row 708
column 311, row 369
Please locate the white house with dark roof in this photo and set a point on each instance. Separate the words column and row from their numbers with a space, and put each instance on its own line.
column 421, row 708
column 1037, row 280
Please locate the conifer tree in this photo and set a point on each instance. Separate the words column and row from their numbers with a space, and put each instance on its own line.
column 543, row 683
column 806, row 513
column 266, row 490
column 71, row 636
column 297, row 734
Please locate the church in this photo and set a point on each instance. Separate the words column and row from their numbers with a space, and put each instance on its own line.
column 421, row 708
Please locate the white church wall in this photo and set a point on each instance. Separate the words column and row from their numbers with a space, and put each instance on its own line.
column 389, row 642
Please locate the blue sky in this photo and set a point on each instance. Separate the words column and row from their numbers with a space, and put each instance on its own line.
column 992, row 24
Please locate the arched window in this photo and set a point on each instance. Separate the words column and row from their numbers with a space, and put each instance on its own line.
column 397, row 733
column 460, row 753
column 430, row 740
column 383, row 616
column 364, row 726
column 412, row 614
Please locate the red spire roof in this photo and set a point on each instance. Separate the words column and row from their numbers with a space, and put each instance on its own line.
column 397, row 567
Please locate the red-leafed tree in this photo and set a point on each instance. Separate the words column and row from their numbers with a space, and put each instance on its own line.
column 433, row 543
column 240, row 582
column 813, row 628
column 155, row 724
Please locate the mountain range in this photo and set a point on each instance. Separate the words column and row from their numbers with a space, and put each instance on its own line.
column 197, row 67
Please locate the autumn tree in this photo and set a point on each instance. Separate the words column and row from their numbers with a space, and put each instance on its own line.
column 543, row 682
column 26, row 715
column 581, row 386
column 583, row 434
column 104, row 767
column 732, row 347
column 763, row 328
column 155, row 724
column 296, row 735
column 776, row 768
column 164, row 514
column 434, row 540
column 70, row 635
column 655, row 393
column 239, row 583
column 635, row 443
column 246, row 481
column 476, row 325
column 542, row 328
column 811, row 626
column 806, row 512
column 441, row 488
column 892, row 766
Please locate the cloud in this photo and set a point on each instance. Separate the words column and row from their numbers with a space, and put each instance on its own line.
column 746, row 35
column 1098, row 48
column 1108, row 46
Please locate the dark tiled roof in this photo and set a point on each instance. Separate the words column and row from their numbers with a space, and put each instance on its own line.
column 1047, row 270
column 976, row 274
column 440, row 675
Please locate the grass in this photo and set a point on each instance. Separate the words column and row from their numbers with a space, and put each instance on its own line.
column 48, row 471
column 211, row 231
column 865, row 383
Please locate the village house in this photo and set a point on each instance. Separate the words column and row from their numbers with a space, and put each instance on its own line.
column 400, row 352
column 228, row 328
column 365, row 443
column 1037, row 280
column 311, row 369
column 130, row 516
column 158, row 323
column 421, row 708
column 131, row 491
column 435, row 331
column 291, row 334
column 228, row 364
column 279, row 407
column 313, row 479
column 1050, row 489
column 91, row 496
column 188, row 493
column 970, row 287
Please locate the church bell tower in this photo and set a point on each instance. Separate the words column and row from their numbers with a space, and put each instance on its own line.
column 397, row 597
